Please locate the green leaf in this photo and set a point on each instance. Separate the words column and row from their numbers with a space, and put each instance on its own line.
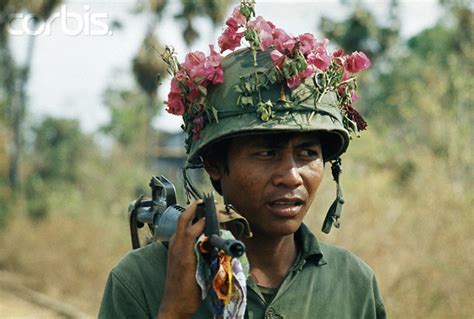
column 246, row 100
column 214, row 112
column 202, row 89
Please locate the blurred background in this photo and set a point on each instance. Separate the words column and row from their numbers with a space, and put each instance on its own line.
column 83, row 128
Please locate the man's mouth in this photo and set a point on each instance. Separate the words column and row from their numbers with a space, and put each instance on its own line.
column 286, row 203
column 286, row 207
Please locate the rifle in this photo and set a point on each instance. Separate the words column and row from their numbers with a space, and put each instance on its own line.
column 161, row 213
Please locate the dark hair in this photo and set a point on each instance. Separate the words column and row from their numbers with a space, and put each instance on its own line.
column 217, row 153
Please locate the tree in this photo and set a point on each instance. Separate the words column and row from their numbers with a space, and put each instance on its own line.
column 57, row 149
column 148, row 68
column 129, row 120
column 5, row 192
column 15, row 79
column 360, row 31
column 426, row 95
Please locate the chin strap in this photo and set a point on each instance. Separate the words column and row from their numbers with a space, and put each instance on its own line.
column 334, row 212
column 192, row 193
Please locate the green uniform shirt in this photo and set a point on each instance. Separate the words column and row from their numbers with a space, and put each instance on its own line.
column 324, row 282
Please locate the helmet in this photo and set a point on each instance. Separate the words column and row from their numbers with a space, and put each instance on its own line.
column 312, row 113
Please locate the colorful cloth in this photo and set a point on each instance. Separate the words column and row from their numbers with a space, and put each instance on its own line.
column 223, row 279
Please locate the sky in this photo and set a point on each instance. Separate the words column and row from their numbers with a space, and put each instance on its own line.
column 79, row 54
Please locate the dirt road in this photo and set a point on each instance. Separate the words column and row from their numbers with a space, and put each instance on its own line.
column 18, row 301
column 14, row 307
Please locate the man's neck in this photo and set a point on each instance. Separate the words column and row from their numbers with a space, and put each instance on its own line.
column 270, row 259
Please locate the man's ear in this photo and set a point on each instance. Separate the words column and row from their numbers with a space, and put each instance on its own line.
column 213, row 168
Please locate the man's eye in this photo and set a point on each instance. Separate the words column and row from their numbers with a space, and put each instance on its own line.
column 309, row 153
column 266, row 153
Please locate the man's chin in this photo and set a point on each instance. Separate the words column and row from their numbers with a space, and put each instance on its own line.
column 277, row 229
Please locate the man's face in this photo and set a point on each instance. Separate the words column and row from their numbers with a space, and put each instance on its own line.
column 272, row 179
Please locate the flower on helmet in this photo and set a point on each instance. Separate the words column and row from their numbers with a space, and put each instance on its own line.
column 356, row 62
column 294, row 59
column 190, row 82
column 282, row 42
column 260, row 31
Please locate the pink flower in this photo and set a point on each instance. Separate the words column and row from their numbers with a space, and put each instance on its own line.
column 175, row 82
column 307, row 43
column 356, row 62
column 345, row 76
column 175, row 100
column 230, row 39
column 194, row 92
column 277, row 58
column 214, row 58
column 198, row 125
column 338, row 53
column 214, row 61
column 264, row 30
column 319, row 59
column 238, row 17
column 232, row 24
column 218, row 76
column 282, row 41
column 338, row 57
column 201, row 68
column 193, row 63
column 342, row 87
column 318, row 55
column 175, row 105
column 354, row 96
column 297, row 79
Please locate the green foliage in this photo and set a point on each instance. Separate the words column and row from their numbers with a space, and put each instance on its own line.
column 438, row 41
column 36, row 192
column 5, row 194
column 157, row 6
column 130, row 117
column 426, row 98
column 360, row 32
column 215, row 10
column 56, row 153
column 148, row 67
column 58, row 145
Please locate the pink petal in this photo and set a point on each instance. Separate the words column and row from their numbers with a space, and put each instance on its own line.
column 239, row 17
column 277, row 58
column 357, row 62
column 282, row 41
column 307, row 43
column 175, row 104
column 230, row 39
column 320, row 60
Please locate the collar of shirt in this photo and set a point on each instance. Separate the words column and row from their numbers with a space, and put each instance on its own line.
column 309, row 250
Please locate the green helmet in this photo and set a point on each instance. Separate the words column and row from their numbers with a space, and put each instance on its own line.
column 303, row 110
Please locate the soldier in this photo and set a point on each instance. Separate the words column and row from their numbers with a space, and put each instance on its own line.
column 263, row 122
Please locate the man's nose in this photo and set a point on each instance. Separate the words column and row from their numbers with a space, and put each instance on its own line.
column 287, row 173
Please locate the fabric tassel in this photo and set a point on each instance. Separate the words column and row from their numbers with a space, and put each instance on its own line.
column 334, row 212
